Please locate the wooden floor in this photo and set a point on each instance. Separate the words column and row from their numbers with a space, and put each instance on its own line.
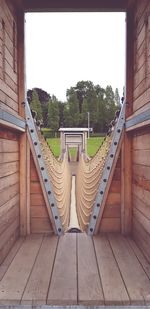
column 75, row 269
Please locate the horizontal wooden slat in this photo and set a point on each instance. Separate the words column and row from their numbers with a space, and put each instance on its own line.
column 112, row 211
column 110, row 225
column 6, row 157
column 141, row 206
column 113, row 198
column 141, row 142
column 141, row 157
column 8, row 168
column 37, row 200
column 9, row 181
column 9, row 146
column 144, row 221
column 38, row 212
column 41, row 225
column 142, row 238
column 142, row 194
column 7, row 195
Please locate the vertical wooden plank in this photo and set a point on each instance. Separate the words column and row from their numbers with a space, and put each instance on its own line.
column 89, row 284
column 28, row 188
column 37, row 287
column 23, row 184
column 21, row 61
column 113, row 286
column 127, row 156
column 63, row 287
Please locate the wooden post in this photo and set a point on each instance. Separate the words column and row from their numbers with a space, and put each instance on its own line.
column 24, row 172
column 126, row 162
column 28, row 188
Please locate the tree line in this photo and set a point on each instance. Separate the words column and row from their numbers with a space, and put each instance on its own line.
column 83, row 98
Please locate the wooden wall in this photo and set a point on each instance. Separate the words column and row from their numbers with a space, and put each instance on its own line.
column 39, row 218
column 9, row 139
column 9, row 190
column 141, row 137
column 111, row 220
column 8, row 58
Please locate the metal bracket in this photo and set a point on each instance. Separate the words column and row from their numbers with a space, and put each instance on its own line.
column 107, row 171
column 43, row 171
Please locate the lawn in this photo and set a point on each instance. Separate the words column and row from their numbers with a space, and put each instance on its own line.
column 93, row 144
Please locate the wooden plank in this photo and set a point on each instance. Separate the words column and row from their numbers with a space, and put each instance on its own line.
column 5, row 265
column 37, row 286
column 35, row 187
column 21, row 61
column 37, row 200
column 8, row 168
column 40, row 225
column 107, row 5
column 6, row 236
column 145, row 222
column 5, row 249
column 141, row 181
column 7, row 195
column 23, row 184
column 63, row 287
column 115, row 186
column 9, row 181
column 137, row 284
column 145, row 264
column 142, row 194
column 113, row 198
column 141, row 142
column 113, row 286
column 110, row 225
column 111, row 211
column 9, row 146
column 126, row 180
column 7, row 217
column 138, row 204
column 15, row 279
column 28, row 189
column 89, row 285
column 141, row 157
column 38, row 212
column 142, row 238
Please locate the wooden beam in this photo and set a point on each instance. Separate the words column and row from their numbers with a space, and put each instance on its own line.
column 76, row 5
column 126, row 192
column 12, row 121
column 138, row 121
column 21, row 62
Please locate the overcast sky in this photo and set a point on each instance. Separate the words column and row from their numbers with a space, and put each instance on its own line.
column 64, row 48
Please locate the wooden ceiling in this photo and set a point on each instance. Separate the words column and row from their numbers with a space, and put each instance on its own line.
column 73, row 5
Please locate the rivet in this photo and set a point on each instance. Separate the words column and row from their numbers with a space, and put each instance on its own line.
column 118, row 130
column 111, row 155
column 104, row 180
column 45, row 179
column 31, row 130
column 94, row 217
column 59, row 230
column 39, row 156
column 56, row 217
column 35, row 143
column 42, row 168
column 101, row 192
column 115, row 143
column 108, row 167
column 98, row 204
column 52, row 205
column 49, row 192
column 91, row 230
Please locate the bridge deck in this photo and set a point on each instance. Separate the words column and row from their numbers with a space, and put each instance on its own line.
column 75, row 269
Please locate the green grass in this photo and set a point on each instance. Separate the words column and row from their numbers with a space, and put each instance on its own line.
column 93, row 143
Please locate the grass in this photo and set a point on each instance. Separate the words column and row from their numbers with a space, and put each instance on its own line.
column 93, row 143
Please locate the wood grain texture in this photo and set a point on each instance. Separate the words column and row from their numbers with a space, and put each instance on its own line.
column 137, row 284
column 63, row 287
column 37, row 286
column 89, row 285
column 13, row 284
column 113, row 286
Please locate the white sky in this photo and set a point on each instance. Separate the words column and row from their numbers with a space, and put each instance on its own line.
column 64, row 48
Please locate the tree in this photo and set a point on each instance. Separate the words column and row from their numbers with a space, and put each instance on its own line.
column 117, row 97
column 36, row 105
column 53, row 114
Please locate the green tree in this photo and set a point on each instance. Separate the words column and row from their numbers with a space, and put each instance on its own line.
column 53, row 114
column 36, row 105
column 117, row 97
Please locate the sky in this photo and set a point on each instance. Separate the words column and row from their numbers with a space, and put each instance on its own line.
column 64, row 48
